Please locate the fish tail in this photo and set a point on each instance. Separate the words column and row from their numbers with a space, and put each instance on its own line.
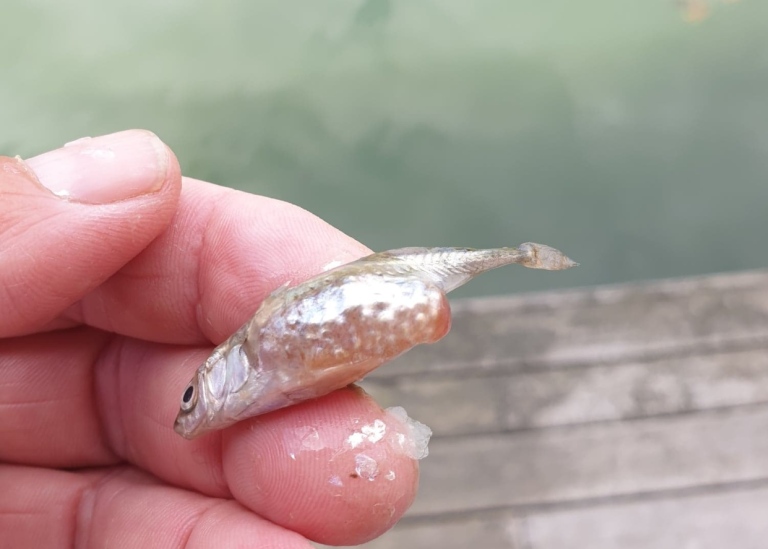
column 453, row 267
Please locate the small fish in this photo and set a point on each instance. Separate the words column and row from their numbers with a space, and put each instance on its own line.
column 323, row 334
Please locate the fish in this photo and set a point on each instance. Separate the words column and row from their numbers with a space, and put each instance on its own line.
column 325, row 333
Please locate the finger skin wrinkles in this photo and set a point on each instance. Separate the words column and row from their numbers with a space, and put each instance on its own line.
column 196, row 520
column 112, row 431
column 95, row 406
column 20, row 220
column 16, row 287
column 201, row 317
column 169, row 272
column 47, row 278
column 54, row 371
column 110, row 484
column 82, row 507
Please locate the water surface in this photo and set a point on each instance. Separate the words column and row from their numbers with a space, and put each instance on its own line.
column 634, row 140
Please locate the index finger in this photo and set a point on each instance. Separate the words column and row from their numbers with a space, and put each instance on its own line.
column 224, row 251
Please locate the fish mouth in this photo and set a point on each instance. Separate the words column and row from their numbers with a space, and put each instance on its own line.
column 182, row 429
column 179, row 428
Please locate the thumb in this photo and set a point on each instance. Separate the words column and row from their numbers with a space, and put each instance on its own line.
column 70, row 218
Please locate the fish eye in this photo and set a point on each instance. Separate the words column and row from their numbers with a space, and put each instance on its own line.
column 189, row 398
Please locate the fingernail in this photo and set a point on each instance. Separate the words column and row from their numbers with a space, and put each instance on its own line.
column 104, row 169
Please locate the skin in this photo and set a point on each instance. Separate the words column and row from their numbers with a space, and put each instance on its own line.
column 108, row 307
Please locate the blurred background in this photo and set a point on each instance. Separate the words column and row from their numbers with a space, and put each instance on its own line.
column 631, row 134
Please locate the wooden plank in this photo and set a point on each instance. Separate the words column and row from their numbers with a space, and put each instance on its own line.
column 734, row 518
column 578, row 419
column 448, row 406
column 594, row 461
column 600, row 325
column 712, row 521
column 465, row 533
column 454, row 405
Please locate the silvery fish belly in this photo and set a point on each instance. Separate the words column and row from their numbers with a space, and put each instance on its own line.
column 323, row 334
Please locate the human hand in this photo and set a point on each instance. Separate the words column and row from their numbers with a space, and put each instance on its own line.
column 109, row 300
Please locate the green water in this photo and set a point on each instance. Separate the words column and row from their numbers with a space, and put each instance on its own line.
column 612, row 129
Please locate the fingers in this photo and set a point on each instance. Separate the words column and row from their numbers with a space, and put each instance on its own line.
column 48, row 414
column 223, row 253
column 123, row 509
column 310, row 468
column 71, row 218
column 334, row 469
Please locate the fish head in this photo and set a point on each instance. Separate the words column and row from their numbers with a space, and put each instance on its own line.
column 211, row 399
column 191, row 419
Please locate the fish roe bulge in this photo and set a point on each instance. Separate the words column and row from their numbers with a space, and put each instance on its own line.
column 431, row 321
column 402, row 315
